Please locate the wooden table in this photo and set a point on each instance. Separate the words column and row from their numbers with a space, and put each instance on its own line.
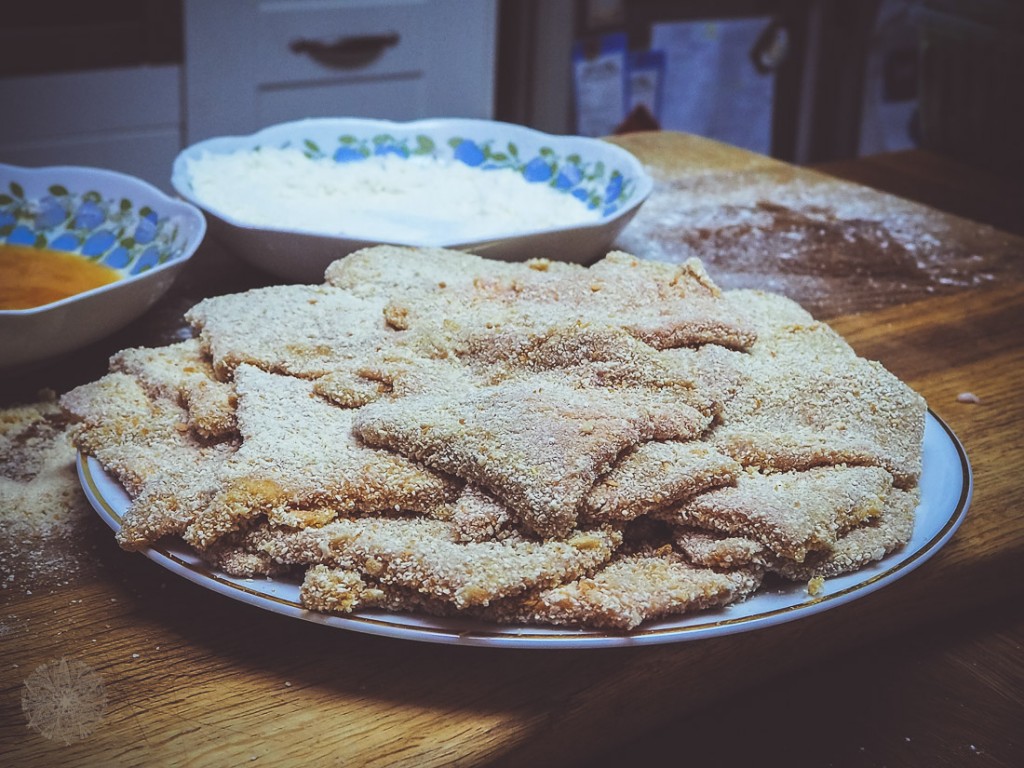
column 195, row 679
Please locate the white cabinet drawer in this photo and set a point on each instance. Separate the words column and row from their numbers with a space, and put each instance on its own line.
column 390, row 99
column 91, row 102
column 128, row 120
column 243, row 72
column 316, row 44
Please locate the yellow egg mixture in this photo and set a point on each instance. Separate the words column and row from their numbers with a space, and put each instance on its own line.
column 31, row 277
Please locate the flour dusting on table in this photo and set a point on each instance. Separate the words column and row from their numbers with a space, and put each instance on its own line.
column 42, row 505
column 811, row 238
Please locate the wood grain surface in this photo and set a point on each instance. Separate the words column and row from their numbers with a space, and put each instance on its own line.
column 195, row 679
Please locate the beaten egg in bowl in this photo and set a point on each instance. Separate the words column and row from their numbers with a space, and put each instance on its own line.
column 83, row 252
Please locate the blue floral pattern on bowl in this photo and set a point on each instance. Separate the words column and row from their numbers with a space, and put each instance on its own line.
column 117, row 232
column 594, row 183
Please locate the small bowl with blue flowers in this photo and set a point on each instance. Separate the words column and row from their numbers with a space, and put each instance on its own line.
column 83, row 252
column 292, row 198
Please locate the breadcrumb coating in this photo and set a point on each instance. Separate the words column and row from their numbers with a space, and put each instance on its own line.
column 537, row 442
column 299, row 451
column 631, row 590
column 341, row 590
column 236, row 556
column 667, row 305
column 299, row 330
column 790, row 513
column 806, row 400
column 534, row 442
column 861, row 544
column 661, row 304
column 170, row 473
column 426, row 556
column 179, row 371
column 477, row 516
column 715, row 550
column 657, row 474
column 114, row 419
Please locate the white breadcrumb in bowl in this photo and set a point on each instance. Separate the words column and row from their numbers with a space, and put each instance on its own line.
column 295, row 197
column 422, row 200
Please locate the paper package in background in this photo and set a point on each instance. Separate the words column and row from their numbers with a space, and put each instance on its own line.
column 646, row 82
column 712, row 87
column 599, row 76
column 889, row 106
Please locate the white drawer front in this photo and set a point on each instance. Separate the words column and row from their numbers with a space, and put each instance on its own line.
column 314, row 44
column 73, row 103
column 385, row 99
column 242, row 72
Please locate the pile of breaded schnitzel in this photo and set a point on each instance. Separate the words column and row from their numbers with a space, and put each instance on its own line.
column 536, row 442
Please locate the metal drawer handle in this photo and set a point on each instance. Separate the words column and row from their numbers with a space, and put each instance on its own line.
column 346, row 52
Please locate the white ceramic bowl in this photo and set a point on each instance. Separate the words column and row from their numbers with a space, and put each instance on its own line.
column 601, row 175
column 103, row 216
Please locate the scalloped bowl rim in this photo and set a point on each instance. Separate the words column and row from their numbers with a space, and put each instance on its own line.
column 173, row 207
column 287, row 130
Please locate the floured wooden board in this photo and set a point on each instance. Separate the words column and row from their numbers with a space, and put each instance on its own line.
column 43, row 514
column 833, row 246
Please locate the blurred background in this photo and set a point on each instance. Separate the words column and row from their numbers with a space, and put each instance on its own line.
column 126, row 84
